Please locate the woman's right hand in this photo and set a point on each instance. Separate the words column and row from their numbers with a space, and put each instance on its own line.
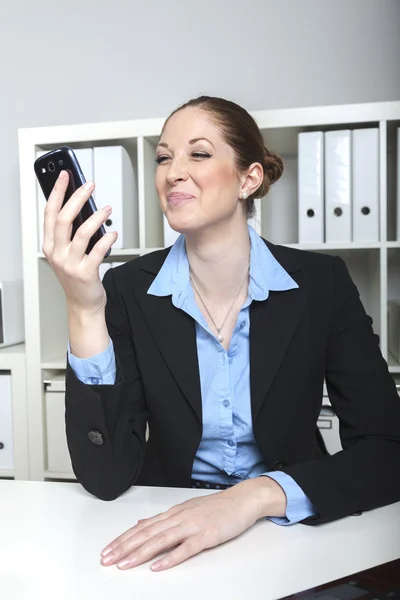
column 77, row 271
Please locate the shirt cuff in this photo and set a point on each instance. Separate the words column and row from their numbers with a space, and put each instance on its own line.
column 96, row 370
column 298, row 506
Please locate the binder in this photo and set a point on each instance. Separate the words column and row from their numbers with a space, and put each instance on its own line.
column 338, row 186
column 365, row 185
column 170, row 235
column 85, row 159
column 115, row 180
column 311, row 187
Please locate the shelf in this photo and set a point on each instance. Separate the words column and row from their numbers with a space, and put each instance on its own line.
column 15, row 349
column 394, row 366
column 7, row 473
column 338, row 246
column 61, row 475
column 10, row 354
column 115, row 252
column 374, row 267
column 57, row 364
column 310, row 246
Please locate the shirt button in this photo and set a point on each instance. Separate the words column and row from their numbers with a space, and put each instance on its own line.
column 94, row 380
column 243, row 323
column 231, row 443
column 230, row 359
column 226, row 403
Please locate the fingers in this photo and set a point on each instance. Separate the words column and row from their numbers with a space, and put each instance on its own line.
column 141, row 524
column 82, row 237
column 135, row 538
column 64, row 220
column 165, row 540
column 190, row 547
column 53, row 207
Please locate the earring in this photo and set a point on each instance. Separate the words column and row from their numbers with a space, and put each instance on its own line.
column 244, row 195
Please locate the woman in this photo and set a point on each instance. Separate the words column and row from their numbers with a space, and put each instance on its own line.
column 221, row 344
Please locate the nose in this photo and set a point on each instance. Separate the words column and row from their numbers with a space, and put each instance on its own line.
column 176, row 172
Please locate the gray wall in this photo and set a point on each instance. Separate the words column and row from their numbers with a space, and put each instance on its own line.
column 102, row 60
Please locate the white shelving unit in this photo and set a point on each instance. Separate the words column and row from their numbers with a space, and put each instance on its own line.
column 374, row 267
column 12, row 362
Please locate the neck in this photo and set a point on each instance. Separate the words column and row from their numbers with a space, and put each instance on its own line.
column 219, row 257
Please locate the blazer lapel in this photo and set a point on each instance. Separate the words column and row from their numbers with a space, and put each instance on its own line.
column 174, row 332
column 273, row 323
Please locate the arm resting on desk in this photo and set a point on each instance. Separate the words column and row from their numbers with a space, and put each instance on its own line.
column 365, row 474
column 117, row 411
column 298, row 506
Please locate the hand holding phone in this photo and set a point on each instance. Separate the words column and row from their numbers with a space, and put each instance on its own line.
column 75, row 241
column 47, row 169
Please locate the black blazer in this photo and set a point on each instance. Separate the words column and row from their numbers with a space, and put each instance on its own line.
column 296, row 338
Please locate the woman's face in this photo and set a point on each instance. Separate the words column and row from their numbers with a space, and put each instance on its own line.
column 196, row 178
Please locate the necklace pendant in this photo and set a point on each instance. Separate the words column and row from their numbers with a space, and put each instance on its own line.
column 220, row 337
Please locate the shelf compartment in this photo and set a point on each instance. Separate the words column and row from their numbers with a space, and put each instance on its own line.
column 277, row 217
column 364, row 269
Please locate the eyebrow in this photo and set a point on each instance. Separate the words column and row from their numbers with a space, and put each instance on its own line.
column 193, row 141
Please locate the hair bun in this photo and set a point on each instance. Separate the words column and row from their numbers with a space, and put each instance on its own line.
column 273, row 166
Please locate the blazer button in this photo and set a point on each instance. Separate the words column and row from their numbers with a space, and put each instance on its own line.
column 96, row 437
column 278, row 465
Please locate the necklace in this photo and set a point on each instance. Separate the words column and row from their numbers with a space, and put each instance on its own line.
column 220, row 337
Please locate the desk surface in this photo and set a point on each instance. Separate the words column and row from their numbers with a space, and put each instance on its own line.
column 51, row 535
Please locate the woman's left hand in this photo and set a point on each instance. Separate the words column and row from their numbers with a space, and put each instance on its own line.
column 199, row 523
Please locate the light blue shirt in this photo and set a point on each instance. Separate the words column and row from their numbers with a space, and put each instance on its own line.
column 228, row 452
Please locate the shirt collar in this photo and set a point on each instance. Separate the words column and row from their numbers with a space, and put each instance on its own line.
column 266, row 274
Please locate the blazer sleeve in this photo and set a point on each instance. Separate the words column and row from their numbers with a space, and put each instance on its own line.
column 118, row 412
column 365, row 474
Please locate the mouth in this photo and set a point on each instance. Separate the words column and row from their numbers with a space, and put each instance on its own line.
column 178, row 198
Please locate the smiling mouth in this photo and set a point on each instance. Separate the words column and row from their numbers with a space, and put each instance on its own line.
column 178, row 198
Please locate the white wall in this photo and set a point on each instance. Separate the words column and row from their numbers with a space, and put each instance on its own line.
column 100, row 60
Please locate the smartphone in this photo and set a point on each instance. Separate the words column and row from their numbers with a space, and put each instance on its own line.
column 47, row 169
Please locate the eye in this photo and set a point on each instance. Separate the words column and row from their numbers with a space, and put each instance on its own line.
column 201, row 155
column 161, row 159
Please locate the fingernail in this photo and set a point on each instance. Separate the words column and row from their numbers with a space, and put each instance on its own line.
column 88, row 185
column 124, row 563
column 105, row 551
column 61, row 175
column 107, row 208
column 160, row 564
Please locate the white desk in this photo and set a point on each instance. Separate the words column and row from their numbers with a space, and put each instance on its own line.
column 51, row 535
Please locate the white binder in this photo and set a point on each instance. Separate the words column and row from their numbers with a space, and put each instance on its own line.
column 338, row 186
column 115, row 181
column 85, row 159
column 311, row 187
column 170, row 235
column 398, row 183
column 365, row 185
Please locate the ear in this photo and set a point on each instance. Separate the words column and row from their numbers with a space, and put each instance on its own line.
column 251, row 180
